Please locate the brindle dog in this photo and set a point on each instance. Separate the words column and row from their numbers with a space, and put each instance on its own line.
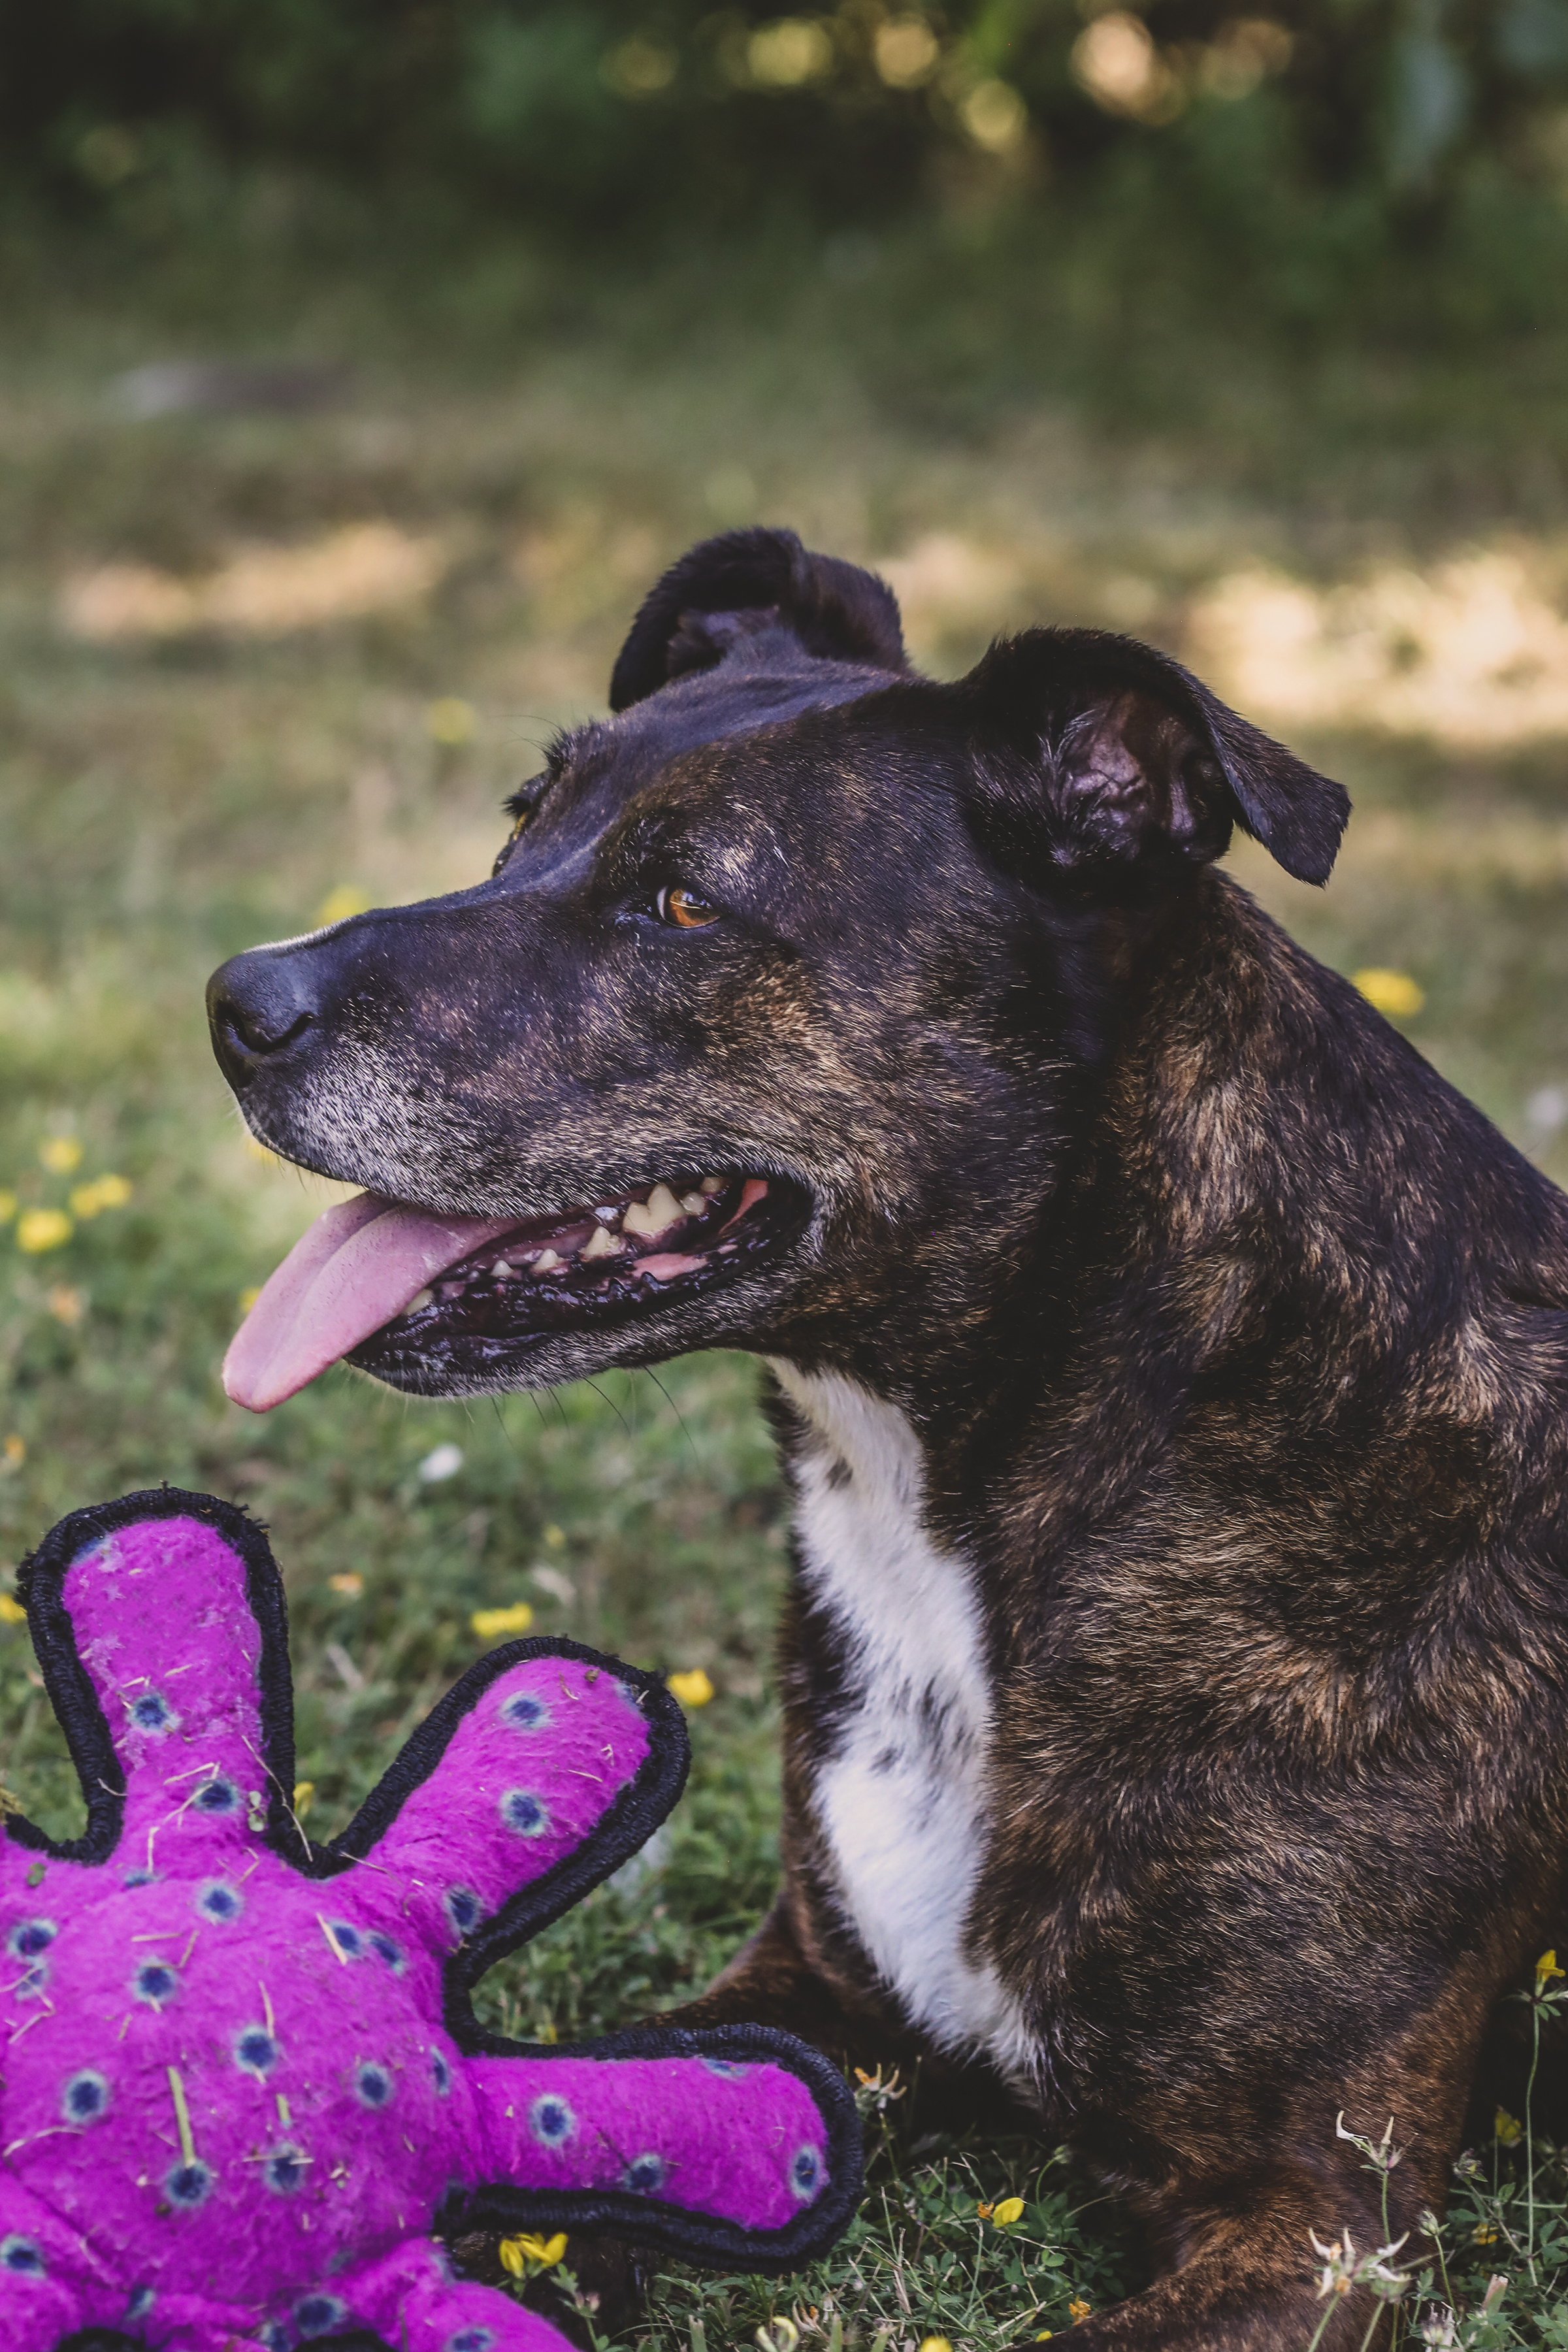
column 1169, row 1370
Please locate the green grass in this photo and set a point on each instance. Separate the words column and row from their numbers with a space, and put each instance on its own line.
column 167, row 801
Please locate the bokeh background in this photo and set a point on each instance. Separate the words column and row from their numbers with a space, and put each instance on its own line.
column 362, row 361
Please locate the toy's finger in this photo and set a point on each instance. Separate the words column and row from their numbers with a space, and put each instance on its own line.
column 44, row 2268
column 411, row 2300
column 733, row 2135
column 159, row 1624
column 544, row 1767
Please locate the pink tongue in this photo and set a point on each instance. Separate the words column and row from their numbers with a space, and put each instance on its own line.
column 357, row 1267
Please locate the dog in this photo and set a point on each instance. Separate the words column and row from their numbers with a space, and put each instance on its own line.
column 1168, row 1369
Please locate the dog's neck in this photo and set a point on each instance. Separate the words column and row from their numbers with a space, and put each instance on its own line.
column 1265, row 1158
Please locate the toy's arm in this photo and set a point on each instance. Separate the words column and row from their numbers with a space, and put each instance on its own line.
column 158, row 1622
column 544, row 1767
column 740, row 2144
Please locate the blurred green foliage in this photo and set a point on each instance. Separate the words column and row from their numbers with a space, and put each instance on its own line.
column 1324, row 131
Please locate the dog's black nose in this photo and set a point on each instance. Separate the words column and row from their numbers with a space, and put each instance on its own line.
column 258, row 1004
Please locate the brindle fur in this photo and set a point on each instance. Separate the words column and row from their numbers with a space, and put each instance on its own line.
column 1235, row 1340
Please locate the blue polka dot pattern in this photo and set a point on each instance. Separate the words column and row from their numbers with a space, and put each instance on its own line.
column 216, row 1797
column 464, row 1909
column 373, row 2086
column 29, row 1937
column 551, row 2121
column 156, row 1982
column 85, row 2098
column 319, row 2315
column 188, row 2185
column 256, row 2051
column 219, row 1902
column 285, row 2169
column 137, row 1878
column 441, row 2073
column 523, row 1712
column 730, row 2068
column 524, row 1813
column 386, row 1949
column 140, row 2303
column 645, row 2174
column 20, row 2255
column 805, row 2174
column 471, row 2339
column 347, row 1939
column 153, row 1712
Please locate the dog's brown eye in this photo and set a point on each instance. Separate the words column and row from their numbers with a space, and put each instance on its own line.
column 685, row 909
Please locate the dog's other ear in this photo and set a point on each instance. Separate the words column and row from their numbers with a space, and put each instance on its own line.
column 837, row 612
column 1111, row 756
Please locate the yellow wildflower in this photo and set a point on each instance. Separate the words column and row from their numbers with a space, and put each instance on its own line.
column 249, row 1297
column 11, row 1610
column 42, row 1229
column 528, row 2252
column 1009, row 2210
column 7, row 1206
column 303, row 1792
column 1546, row 1968
column 1079, row 2308
column 449, row 719
column 984, row 2211
column 490, row 1623
column 340, row 904
column 692, row 1688
column 104, row 1192
column 350, row 1583
column 554, row 1537
column 1508, row 2127
column 1484, row 2235
column 1393, row 992
column 935, row 2344
column 61, row 1154
column 15, row 1451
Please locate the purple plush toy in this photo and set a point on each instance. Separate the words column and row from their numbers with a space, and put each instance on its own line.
column 243, row 2082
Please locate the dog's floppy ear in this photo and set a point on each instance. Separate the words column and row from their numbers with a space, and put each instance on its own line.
column 837, row 612
column 1097, row 752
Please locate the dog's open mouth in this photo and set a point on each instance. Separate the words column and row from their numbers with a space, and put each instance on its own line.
column 397, row 1289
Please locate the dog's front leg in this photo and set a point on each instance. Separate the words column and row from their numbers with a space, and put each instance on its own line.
column 780, row 1977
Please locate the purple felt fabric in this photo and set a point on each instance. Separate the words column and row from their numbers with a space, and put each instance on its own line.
column 228, row 2090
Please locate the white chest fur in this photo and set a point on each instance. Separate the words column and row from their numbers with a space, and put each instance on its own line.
column 901, row 1801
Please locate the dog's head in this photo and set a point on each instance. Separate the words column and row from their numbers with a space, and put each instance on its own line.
column 788, row 971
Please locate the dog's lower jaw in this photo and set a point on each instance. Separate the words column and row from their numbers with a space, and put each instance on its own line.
column 901, row 1797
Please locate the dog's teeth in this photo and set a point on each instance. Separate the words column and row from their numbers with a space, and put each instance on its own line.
column 712, row 1184
column 418, row 1306
column 601, row 1244
column 693, row 1203
column 501, row 1270
column 547, row 1261
column 661, row 1211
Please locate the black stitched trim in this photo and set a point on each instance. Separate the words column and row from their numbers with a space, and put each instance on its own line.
column 624, row 1828
column 698, row 2237
column 40, row 1580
